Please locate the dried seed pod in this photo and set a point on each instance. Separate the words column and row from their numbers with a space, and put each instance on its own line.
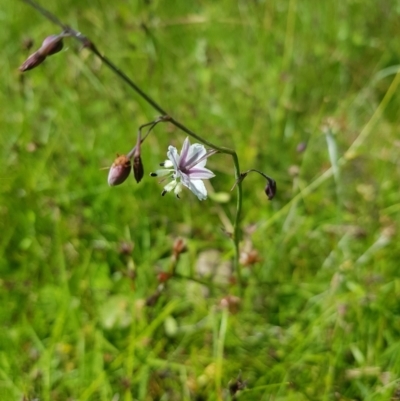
column 270, row 189
column 138, row 170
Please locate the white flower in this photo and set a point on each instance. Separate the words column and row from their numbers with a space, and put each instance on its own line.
column 187, row 169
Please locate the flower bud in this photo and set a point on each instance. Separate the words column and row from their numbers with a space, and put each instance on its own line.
column 270, row 189
column 51, row 45
column 32, row 61
column 119, row 171
column 138, row 170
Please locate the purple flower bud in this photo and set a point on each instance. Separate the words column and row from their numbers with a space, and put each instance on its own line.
column 119, row 171
column 32, row 61
column 138, row 170
column 270, row 189
column 51, row 45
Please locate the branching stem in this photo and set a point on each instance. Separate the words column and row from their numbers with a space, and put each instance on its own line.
column 90, row 45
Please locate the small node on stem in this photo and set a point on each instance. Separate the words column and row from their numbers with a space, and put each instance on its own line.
column 270, row 189
column 239, row 180
column 87, row 43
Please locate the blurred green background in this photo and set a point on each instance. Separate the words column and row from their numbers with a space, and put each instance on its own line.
column 305, row 91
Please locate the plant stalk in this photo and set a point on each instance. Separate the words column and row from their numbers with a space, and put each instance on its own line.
column 90, row 45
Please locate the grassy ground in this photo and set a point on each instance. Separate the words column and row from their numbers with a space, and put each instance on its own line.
column 307, row 92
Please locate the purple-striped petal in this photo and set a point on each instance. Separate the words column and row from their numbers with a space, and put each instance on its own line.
column 186, row 147
column 200, row 173
column 202, row 160
column 196, row 152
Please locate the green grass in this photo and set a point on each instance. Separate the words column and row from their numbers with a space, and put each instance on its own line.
column 319, row 318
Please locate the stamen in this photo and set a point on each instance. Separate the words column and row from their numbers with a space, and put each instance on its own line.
column 167, row 164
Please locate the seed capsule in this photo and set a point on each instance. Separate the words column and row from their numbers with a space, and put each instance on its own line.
column 119, row 171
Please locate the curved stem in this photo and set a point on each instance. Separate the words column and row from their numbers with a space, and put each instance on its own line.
column 87, row 43
column 236, row 224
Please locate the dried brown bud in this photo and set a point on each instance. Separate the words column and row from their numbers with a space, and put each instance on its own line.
column 163, row 277
column 270, row 189
column 138, row 170
column 51, row 45
column 231, row 302
column 179, row 247
column 249, row 258
column 126, row 247
column 152, row 299
column 237, row 385
column 32, row 61
column 119, row 171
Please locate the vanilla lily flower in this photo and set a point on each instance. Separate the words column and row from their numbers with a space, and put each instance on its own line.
column 186, row 169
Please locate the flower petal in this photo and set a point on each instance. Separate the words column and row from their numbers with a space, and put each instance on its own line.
column 178, row 189
column 196, row 152
column 185, row 152
column 170, row 186
column 202, row 160
column 173, row 156
column 200, row 173
column 198, row 188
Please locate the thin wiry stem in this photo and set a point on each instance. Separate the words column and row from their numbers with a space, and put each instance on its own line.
column 90, row 45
